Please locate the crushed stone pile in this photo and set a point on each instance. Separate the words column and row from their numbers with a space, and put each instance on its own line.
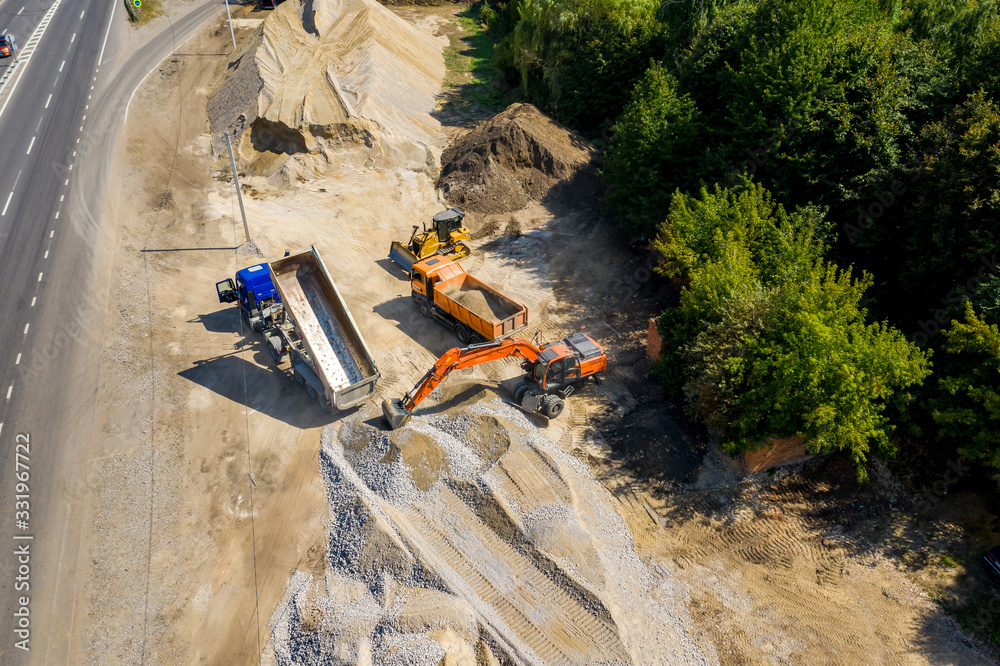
column 319, row 75
column 469, row 537
column 517, row 156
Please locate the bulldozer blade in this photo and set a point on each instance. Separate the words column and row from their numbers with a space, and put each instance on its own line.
column 396, row 416
column 402, row 256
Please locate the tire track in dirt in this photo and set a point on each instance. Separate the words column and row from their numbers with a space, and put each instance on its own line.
column 547, row 619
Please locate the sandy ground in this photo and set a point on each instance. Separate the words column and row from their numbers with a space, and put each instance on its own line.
column 213, row 510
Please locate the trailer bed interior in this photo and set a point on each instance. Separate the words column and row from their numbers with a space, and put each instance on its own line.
column 322, row 332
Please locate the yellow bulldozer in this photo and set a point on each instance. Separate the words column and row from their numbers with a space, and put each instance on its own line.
column 445, row 237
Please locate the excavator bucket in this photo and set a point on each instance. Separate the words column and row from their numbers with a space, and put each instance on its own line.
column 402, row 256
column 396, row 416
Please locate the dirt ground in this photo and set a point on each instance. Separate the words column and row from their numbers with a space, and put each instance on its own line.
column 194, row 414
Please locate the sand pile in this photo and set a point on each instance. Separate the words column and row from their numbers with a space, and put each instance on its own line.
column 322, row 75
column 516, row 156
column 481, row 304
column 469, row 537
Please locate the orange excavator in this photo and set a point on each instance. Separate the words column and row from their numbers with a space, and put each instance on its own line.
column 553, row 371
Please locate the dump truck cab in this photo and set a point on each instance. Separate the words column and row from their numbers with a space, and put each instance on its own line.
column 562, row 363
column 431, row 271
column 442, row 290
column 254, row 291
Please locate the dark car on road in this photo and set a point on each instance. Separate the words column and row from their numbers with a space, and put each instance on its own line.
column 5, row 47
column 992, row 558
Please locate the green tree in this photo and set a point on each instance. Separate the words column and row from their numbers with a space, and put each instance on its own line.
column 578, row 59
column 699, row 229
column 947, row 237
column 652, row 153
column 967, row 406
column 818, row 370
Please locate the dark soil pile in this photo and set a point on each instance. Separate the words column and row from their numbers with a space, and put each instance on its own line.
column 517, row 156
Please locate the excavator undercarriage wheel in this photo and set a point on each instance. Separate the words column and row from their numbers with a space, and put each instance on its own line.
column 552, row 406
column 519, row 392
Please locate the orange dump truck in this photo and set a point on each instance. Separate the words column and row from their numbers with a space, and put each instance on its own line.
column 477, row 312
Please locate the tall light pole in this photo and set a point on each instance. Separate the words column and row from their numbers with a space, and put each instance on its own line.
column 231, row 33
column 236, row 180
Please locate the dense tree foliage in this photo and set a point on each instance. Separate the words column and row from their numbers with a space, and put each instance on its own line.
column 769, row 339
column 577, row 59
column 876, row 123
column 967, row 405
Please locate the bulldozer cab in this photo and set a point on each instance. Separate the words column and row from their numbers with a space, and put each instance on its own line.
column 446, row 222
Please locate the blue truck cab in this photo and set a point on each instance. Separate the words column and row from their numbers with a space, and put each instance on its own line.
column 255, row 293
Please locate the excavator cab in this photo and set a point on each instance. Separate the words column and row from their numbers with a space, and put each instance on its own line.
column 564, row 362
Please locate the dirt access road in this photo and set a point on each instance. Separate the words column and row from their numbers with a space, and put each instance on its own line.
column 208, row 495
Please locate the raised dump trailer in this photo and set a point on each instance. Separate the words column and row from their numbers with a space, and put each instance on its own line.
column 329, row 356
column 474, row 310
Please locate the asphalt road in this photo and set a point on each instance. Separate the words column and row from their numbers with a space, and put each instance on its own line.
column 58, row 127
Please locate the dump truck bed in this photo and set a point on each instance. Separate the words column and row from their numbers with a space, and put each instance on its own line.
column 338, row 352
column 489, row 312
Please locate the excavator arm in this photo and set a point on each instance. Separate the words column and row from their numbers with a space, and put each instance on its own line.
column 398, row 412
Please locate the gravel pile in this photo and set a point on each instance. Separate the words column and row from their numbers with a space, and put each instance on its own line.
column 385, row 596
